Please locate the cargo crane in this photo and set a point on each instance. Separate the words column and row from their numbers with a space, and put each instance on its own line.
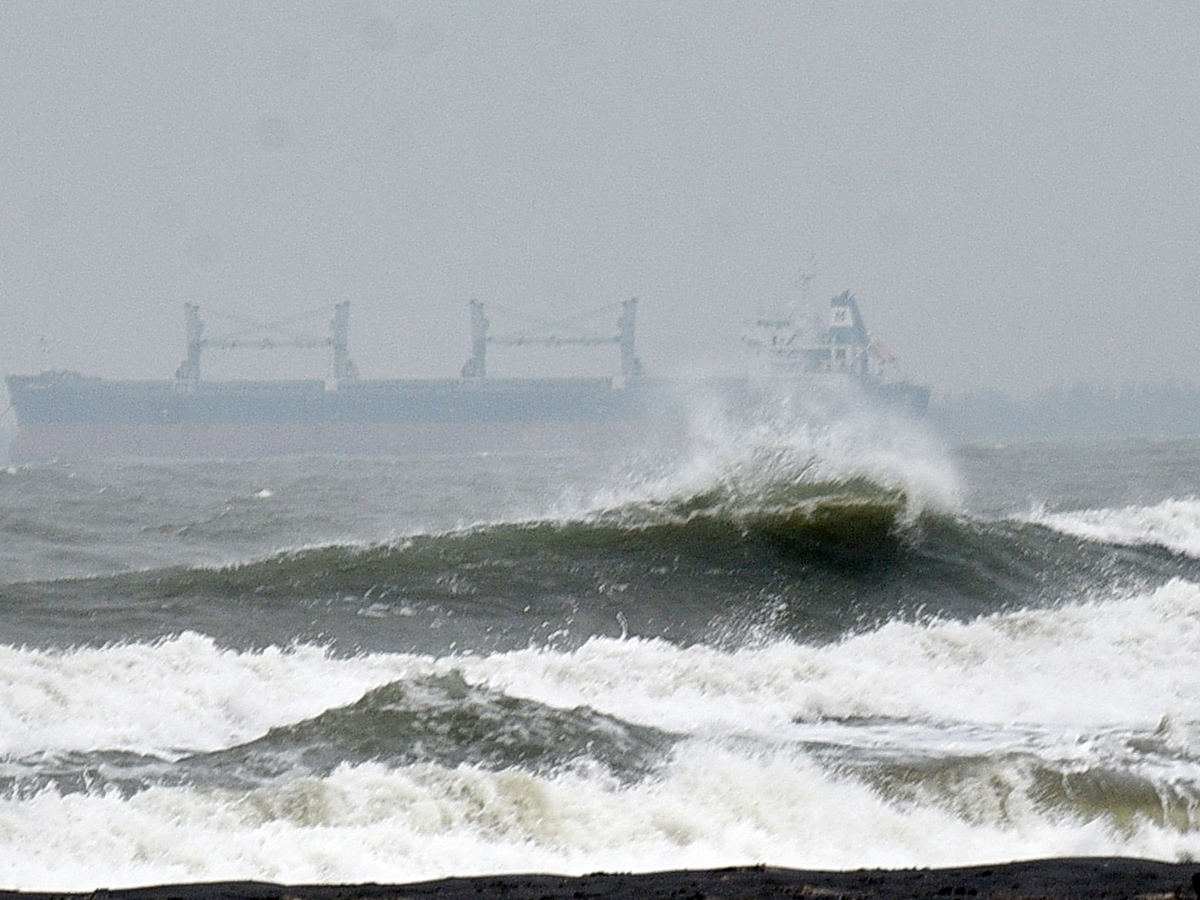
column 551, row 334
column 268, row 336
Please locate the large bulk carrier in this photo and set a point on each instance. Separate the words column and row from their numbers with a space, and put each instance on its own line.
column 67, row 415
column 64, row 414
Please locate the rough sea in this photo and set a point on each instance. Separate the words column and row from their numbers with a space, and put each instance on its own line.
column 814, row 643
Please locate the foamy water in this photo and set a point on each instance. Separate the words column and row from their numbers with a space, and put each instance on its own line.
column 1173, row 524
column 737, row 654
column 749, row 779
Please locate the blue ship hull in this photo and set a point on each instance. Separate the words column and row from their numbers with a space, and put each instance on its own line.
column 64, row 415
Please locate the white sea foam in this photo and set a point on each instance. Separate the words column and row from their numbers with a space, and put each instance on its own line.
column 1069, row 684
column 1090, row 664
column 366, row 823
column 183, row 694
column 1173, row 524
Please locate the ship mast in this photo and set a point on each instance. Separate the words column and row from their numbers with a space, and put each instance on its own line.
column 187, row 375
column 476, row 366
column 339, row 341
column 631, row 366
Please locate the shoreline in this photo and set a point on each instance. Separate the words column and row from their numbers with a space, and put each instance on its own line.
column 1113, row 878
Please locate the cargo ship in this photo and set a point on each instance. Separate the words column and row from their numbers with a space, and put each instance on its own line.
column 63, row 414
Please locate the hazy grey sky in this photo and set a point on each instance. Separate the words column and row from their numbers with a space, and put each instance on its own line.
column 1012, row 189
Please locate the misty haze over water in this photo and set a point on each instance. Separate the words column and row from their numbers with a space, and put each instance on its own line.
column 767, row 630
column 1009, row 189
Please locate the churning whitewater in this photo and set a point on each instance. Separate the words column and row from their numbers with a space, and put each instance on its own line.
column 821, row 644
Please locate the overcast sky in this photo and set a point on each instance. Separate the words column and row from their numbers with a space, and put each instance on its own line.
column 1010, row 189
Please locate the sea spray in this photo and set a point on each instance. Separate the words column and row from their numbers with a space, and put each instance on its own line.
column 748, row 453
column 366, row 675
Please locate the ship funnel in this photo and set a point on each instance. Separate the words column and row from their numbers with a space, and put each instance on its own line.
column 845, row 322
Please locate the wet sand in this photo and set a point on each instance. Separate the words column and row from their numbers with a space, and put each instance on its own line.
column 1052, row 879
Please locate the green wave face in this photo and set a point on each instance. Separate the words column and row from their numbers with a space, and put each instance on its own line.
column 444, row 720
column 778, row 542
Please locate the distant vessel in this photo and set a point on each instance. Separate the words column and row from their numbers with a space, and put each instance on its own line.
column 63, row 414
column 832, row 358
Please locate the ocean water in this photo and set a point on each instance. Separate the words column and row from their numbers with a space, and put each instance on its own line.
column 807, row 642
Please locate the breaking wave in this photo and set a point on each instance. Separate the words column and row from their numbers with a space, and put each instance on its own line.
column 806, row 558
column 1014, row 735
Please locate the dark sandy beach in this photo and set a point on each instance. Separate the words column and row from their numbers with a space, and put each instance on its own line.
column 1053, row 879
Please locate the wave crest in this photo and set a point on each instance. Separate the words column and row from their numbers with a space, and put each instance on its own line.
column 1173, row 525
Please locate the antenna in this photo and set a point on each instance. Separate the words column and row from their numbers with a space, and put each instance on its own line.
column 804, row 276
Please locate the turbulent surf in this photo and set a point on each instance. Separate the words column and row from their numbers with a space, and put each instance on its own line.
column 822, row 645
